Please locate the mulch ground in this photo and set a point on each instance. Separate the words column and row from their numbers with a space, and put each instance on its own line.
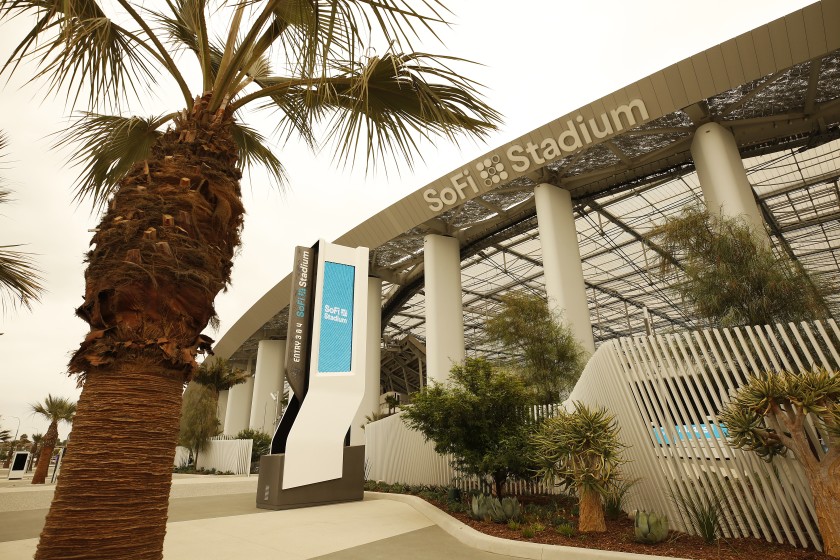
column 619, row 537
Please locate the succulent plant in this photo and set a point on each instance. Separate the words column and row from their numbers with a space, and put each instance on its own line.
column 496, row 511
column 511, row 508
column 480, row 508
column 651, row 528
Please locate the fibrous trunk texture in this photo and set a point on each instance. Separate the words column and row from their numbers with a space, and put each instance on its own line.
column 591, row 512
column 48, row 446
column 825, row 486
column 161, row 253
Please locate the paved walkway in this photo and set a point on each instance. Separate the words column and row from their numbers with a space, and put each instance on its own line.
column 215, row 518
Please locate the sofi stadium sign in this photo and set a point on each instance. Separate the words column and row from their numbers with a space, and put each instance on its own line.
column 493, row 169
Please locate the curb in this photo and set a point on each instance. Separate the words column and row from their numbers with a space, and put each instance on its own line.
column 532, row 551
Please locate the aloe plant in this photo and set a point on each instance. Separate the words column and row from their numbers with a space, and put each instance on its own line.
column 581, row 450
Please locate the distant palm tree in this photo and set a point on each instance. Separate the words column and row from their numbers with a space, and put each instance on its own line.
column 219, row 375
column 36, row 442
column 54, row 409
column 20, row 281
column 172, row 204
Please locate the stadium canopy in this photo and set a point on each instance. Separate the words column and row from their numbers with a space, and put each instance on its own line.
column 625, row 159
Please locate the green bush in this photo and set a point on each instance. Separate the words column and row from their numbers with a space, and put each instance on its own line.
column 479, row 418
column 261, row 445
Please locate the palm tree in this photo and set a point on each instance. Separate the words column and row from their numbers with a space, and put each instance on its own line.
column 54, row 409
column 36, row 442
column 20, row 281
column 171, row 198
column 219, row 375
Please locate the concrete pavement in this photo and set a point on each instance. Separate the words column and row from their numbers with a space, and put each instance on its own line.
column 215, row 518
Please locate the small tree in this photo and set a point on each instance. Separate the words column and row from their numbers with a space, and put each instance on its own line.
column 479, row 417
column 730, row 277
column 546, row 353
column 581, row 450
column 54, row 409
column 198, row 419
column 768, row 416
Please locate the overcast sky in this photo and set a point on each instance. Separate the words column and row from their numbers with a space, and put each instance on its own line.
column 541, row 59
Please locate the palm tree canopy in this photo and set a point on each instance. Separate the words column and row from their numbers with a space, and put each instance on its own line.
column 55, row 409
column 219, row 375
column 300, row 61
column 20, row 280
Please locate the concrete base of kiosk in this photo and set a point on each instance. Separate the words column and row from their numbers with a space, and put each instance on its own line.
column 349, row 488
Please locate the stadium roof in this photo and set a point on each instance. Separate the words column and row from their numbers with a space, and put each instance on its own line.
column 776, row 88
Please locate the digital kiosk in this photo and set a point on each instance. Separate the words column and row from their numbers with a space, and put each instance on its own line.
column 311, row 461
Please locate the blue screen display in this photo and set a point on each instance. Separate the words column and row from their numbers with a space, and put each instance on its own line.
column 335, row 345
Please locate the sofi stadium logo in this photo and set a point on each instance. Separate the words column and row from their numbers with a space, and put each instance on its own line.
column 493, row 170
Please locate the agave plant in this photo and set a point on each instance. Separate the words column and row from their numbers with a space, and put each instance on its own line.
column 650, row 527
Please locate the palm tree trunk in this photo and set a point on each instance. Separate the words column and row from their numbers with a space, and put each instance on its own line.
column 162, row 252
column 48, row 446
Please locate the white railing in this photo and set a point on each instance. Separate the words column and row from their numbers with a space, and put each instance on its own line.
column 223, row 453
column 666, row 391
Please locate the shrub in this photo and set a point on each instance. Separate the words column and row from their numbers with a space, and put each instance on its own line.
column 261, row 445
column 478, row 417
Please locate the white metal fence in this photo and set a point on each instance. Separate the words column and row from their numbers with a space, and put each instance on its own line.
column 223, row 453
column 666, row 391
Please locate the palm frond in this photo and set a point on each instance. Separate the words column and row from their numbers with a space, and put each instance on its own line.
column 55, row 408
column 76, row 45
column 391, row 101
column 20, row 279
column 184, row 28
column 296, row 115
column 254, row 151
column 106, row 147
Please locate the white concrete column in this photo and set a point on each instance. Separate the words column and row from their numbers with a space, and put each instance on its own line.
column 221, row 406
column 722, row 176
column 268, row 378
column 239, row 405
column 564, row 283
column 370, row 401
column 444, row 306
